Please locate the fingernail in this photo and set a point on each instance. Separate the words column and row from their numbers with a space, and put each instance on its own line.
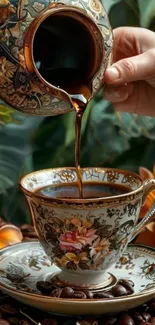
column 112, row 73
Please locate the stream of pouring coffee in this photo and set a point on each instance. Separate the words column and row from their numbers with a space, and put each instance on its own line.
column 80, row 103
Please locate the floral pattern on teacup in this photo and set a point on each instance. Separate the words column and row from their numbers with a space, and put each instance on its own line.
column 77, row 242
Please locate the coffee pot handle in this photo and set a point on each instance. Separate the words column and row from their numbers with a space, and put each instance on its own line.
column 149, row 186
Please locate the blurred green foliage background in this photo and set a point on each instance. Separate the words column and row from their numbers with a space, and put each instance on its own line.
column 31, row 143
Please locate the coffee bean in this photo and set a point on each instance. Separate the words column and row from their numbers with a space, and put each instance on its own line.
column 45, row 286
column 26, row 237
column 152, row 320
column 2, row 221
column 8, row 309
column 152, row 307
column 137, row 317
column 125, row 283
column 85, row 322
column 67, row 292
column 24, row 322
column 146, row 316
column 125, row 320
column 4, row 322
column 144, row 323
column 142, row 308
column 109, row 320
column 119, row 290
column 46, row 321
column 89, row 294
column 49, row 321
column 13, row 320
column 131, row 282
column 54, row 321
column 79, row 295
column 91, row 321
column 31, row 234
column 56, row 293
column 103, row 294
column 26, row 227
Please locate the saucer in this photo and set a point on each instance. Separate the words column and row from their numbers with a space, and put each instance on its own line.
column 22, row 265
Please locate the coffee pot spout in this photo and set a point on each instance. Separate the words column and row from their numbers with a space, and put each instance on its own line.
column 52, row 53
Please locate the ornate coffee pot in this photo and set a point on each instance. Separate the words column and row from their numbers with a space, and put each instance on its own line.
column 50, row 51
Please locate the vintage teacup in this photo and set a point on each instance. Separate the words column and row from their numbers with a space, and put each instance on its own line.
column 84, row 237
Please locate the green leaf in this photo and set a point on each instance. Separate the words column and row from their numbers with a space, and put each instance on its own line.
column 6, row 109
column 104, row 142
column 134, row 6
column 8, row 115
column 69, row 122
column 140, row 153
column 128, row 14
column 15, row 146
column 5, row 118
column 132, row 125
column 85, row 118
column 108, row 4
column 147, row 12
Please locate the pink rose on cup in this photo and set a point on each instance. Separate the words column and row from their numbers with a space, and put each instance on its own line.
column 77, row 239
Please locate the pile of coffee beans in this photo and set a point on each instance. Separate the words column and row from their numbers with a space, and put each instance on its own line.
column 28, row 232
column 122, row 288
column 15, row 313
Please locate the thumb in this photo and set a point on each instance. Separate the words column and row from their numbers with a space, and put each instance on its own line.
column 140, row 67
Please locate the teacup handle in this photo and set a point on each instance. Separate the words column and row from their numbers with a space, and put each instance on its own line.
column 149, row 185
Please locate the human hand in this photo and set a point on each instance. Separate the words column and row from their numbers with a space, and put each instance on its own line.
column 130, row 81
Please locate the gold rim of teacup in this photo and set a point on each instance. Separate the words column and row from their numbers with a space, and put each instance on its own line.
column 115, row 199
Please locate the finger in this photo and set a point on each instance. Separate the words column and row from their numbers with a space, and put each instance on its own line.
column 131, row 41
column 124, row 43
column 138, row 102
column 140, row 67
column 118, row 94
